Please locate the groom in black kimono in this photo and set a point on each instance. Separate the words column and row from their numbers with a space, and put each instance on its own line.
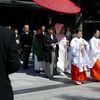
column 50, row 52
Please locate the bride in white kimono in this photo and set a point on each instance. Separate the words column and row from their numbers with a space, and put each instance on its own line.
column 62, row 52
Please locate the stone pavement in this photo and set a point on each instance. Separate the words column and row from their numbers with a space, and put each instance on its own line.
column 31, row 86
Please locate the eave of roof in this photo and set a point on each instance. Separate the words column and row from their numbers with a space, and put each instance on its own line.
column 17, row 3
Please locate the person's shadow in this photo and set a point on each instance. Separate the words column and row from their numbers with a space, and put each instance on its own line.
column 66, row 79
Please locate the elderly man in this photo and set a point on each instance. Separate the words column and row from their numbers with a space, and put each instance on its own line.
column 26, row 43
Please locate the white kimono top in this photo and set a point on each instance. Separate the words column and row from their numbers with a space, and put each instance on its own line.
column 94, row 50
column 79, row 54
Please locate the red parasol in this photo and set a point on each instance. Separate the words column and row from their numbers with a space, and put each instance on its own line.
column 64, row 6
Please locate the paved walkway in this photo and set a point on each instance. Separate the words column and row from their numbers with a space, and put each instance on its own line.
column 31, row 86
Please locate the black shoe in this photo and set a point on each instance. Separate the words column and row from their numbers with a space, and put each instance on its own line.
column 26, row 68
column 50, row 77
column 96, row 80
column 37, row 71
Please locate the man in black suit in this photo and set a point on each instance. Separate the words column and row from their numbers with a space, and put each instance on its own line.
column 26, row 43
column 50, row 52
column 9, row 62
